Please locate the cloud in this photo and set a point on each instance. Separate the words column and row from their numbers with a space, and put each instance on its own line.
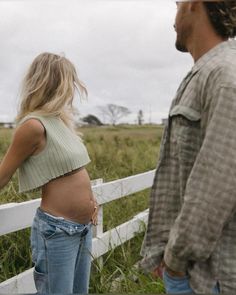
column 123, row 50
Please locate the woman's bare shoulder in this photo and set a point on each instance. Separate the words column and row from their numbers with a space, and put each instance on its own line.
column 32, row 129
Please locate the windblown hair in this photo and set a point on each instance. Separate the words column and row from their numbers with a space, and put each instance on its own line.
column 49, row 87
column 222, row 15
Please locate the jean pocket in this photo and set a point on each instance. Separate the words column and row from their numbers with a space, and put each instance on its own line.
column 176, row 285
column 49, row 230
column 40, row 280
column 176, row 278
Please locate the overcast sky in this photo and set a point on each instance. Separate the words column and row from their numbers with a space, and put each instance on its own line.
column 123, row 50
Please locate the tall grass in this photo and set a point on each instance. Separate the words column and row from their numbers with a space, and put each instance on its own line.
column 115, row 152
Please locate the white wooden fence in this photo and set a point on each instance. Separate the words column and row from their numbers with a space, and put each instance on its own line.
column 17, row 216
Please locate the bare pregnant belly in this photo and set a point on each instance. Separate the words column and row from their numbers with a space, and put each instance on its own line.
column 70, row 197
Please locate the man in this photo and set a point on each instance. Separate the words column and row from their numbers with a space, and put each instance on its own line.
column 192, row 222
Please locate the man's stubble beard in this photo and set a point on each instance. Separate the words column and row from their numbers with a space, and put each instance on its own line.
column 180, row 46
column 183, row 37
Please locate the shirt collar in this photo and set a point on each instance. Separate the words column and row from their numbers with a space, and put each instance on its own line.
column 213, row 52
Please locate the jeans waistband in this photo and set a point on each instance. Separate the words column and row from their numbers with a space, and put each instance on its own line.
column 67, row 225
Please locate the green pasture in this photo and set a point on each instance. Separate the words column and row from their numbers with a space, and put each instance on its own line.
column 116, row 152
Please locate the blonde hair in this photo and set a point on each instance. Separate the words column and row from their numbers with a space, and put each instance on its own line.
column 49, row 87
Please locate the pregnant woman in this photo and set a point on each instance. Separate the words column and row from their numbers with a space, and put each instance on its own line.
column 52, row 157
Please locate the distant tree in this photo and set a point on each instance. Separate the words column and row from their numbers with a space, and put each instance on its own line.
column 114, row 112
column 92, row 120
column 140, row 117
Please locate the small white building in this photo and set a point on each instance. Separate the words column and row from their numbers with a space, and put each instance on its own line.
column 9, row 125
column 7, row 122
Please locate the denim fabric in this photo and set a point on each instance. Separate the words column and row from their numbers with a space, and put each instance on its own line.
column 176, row 285
column 180, row 285
column 61, row 252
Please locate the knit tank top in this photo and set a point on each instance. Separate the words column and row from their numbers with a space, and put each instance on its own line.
column 63, row 153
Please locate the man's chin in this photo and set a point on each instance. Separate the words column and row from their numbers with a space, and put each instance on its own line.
column 181, row 47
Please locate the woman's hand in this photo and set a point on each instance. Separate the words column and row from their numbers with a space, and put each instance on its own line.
column 94, row 218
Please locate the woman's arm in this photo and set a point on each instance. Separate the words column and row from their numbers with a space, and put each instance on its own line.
column 27, row 139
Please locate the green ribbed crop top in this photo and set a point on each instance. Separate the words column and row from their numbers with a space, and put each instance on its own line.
column 63, row 153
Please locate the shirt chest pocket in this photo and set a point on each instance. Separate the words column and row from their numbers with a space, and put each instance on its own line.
column 186, row 131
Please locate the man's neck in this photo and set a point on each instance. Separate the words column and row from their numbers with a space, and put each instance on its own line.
column 203, row 43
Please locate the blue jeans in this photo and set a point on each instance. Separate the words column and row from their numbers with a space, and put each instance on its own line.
column 180, row 285
column 61, row 252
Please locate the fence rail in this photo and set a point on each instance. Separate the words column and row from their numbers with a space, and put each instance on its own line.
column 18, row 216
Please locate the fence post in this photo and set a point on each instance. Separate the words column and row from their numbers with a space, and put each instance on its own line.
column 98, row 230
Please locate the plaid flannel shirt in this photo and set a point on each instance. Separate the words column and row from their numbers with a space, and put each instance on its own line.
column 192, row 219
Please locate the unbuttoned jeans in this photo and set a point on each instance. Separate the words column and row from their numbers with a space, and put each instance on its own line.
column 180, row 285
column 61, row 252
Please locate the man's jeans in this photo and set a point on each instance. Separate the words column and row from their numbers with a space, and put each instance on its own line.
column 61, row 252
column 177, row 285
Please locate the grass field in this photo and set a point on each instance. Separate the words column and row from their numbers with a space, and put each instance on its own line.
column 116, row 152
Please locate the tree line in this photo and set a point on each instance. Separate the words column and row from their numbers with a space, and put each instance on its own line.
column 112, row 114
